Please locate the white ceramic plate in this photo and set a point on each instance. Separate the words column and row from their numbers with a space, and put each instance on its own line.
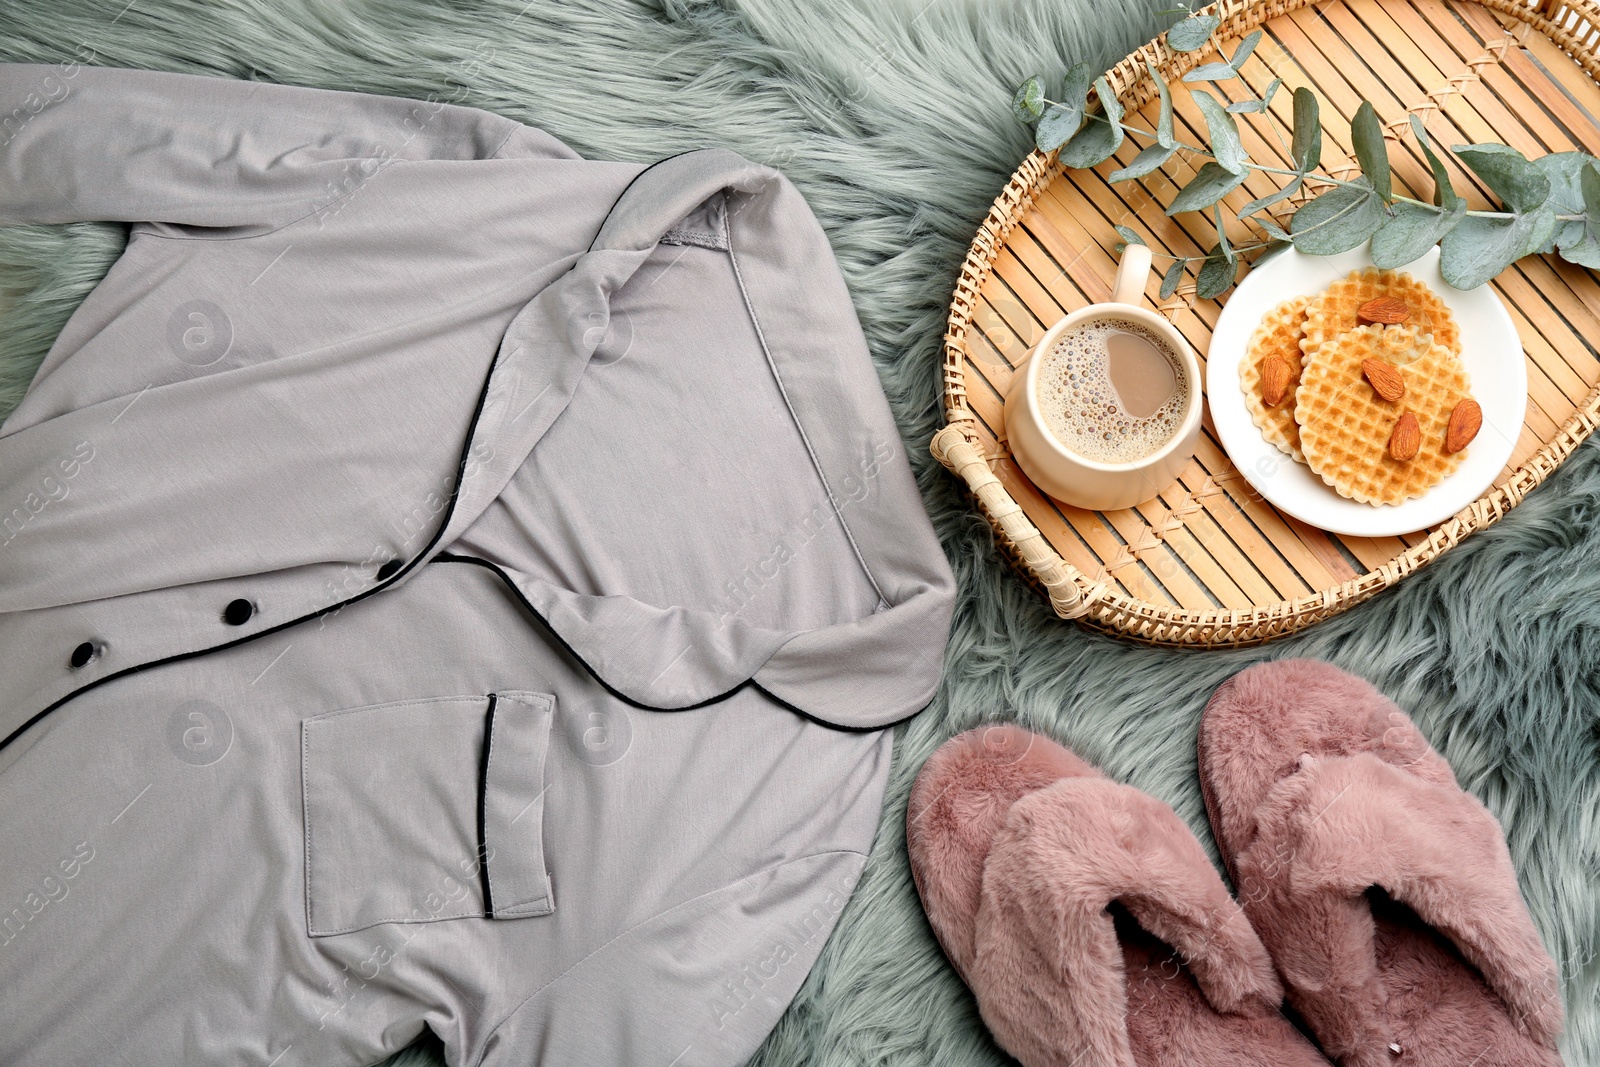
column 1491, row 353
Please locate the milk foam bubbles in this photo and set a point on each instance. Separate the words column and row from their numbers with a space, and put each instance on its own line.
column 1081, row 406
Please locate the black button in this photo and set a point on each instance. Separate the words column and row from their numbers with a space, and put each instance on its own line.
column 82, row 654
column 388, row 570
column 238, row 612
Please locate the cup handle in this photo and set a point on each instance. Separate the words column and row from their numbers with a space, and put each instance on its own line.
column 1132, row 272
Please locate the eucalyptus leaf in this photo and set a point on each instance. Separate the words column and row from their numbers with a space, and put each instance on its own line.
column 1059, row 125
column 1411, row 231
column 1519, row 184
column 1092, row 145
column 1307, row 146
column 1251, row 107
column 1589, row 182
column 1165, row 137
column 1223, row 133
column 1271, row 198
column 1075, row 87
column 1276, row 232
column 1479, row 248
column 1146, row 161
column 1566, row 194
column 1541, row 230
column 1170, row 280
column 1563, row 170
column 1246, row 46
column 1338, row 220
column 1063, row 120
column 1222, row 234
column 1216, row 274
column 1192, row 33
column 1586, row 251
column 1366, row 134
column 1216, row 72
column 1129, row 235
column 1102, row 134
column 1444, row 193
column 1210, row 184
column 1028, row 104
column 1211, row 72
column 1108, row 99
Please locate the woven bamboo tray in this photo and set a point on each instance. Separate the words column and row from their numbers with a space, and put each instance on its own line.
column 1210, row 563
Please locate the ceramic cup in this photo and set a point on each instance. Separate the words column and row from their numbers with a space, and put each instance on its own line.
column 1083, row 482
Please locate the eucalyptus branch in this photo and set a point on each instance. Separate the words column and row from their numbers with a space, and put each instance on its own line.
column 1250, row 247
column 1328, row 179
column 1549, row 204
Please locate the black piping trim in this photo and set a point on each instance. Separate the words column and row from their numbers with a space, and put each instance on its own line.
column 483, row 793
column 450, row 507
column 625, row 189
column 451, row 557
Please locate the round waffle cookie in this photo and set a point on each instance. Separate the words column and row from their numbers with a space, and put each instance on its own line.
column 1333, row 311
column 1345, row 425
column 1278, row 335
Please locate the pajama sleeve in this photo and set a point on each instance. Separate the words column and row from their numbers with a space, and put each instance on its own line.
column 81, row 143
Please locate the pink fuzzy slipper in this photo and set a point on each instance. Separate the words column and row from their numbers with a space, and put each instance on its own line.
column 1056, row 893
column 1383, row 891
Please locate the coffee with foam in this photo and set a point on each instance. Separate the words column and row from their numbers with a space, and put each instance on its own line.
column 1112, row 391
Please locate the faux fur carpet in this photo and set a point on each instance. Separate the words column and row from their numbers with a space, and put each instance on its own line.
column 891, row 117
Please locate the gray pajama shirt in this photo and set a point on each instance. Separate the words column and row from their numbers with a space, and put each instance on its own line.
column 444, row 582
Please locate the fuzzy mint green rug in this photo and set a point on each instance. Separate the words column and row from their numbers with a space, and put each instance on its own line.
column 891, row 117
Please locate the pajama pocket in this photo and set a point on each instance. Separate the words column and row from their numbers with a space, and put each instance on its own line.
column 426, row 810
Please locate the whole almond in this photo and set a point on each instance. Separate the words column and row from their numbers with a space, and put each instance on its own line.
column 1465, row 422
column 1384, row 378
column 1387, row 310
column 1406, row 438
column 1275, row 373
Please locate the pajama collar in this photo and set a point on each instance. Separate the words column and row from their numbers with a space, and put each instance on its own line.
column 65, row 577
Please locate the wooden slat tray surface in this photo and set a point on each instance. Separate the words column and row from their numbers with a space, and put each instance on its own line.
column 1209, row 562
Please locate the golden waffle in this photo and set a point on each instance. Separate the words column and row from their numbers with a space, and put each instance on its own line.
column 1333, row 311
column 1278, row 335
column 1345, row 426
